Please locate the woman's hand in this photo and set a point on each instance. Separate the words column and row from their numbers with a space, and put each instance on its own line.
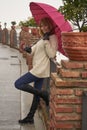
column 46, row 36
column 28, row 49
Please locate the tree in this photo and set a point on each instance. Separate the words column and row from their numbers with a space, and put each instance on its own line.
column 31, row 22
column 13, row 23
column 76, row 12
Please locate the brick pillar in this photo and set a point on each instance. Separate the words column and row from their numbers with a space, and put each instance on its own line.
column 13, row 37
column 5, row 36
column 67, row 86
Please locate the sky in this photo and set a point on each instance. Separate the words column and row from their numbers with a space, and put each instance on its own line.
column 18, row 10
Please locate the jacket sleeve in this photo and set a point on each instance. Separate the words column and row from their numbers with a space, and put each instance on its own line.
column 51, row 46
column 33, row 49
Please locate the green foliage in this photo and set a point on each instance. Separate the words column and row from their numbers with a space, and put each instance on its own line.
column 31, row 22
column 84, row 29
column 13, row 23
column 76, row 12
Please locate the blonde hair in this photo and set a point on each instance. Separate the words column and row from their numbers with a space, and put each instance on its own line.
column 46, row 21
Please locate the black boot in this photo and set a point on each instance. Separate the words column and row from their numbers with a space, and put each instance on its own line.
column 42, row 94
column 30, row 117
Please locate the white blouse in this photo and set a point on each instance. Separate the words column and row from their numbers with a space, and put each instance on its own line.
column 42, row 51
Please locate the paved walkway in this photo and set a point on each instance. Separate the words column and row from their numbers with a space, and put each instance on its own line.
column 14, row 104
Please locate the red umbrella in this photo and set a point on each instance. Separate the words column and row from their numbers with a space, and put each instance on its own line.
column 41, row 10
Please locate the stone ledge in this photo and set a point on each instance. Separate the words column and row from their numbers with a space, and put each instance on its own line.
column 69, row 73
column 71, row 83
column 72, row 64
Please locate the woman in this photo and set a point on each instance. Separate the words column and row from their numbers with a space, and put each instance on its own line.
column 42, row 51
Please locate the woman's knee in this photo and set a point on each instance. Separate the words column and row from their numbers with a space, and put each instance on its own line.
column 17, row 85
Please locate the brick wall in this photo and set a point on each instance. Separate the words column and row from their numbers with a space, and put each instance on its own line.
column 67, row 86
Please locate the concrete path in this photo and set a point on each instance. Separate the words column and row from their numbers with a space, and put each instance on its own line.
column 14, row 104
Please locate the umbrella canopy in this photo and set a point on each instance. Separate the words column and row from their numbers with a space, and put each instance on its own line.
column 41, row 10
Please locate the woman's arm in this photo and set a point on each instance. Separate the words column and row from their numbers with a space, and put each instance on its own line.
column 51, row 46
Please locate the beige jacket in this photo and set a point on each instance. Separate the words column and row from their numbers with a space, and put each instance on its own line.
column 42, row 52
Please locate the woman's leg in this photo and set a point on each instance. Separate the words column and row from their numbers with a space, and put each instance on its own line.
column 22, row 84
column 30, row 116
column 25, row 79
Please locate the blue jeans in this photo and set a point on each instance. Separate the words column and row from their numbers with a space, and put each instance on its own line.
column 29, row 78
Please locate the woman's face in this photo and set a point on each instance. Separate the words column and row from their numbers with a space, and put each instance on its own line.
column 44, row 28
